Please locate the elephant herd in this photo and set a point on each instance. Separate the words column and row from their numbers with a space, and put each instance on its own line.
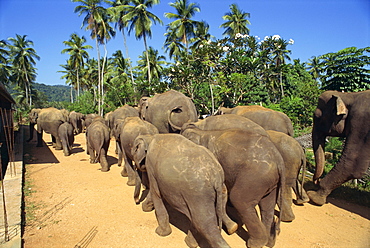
column 243, row 157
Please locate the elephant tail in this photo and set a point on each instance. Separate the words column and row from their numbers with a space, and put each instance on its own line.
column 100, row 146
column 280, row 193
column 219, row 205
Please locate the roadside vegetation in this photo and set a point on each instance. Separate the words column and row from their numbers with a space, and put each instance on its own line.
column 236, row 69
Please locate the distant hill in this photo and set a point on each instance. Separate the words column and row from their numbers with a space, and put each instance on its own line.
column 55, row 93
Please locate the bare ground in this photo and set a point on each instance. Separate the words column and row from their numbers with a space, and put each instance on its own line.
column 77, row 205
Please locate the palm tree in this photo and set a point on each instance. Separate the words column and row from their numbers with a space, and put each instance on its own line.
column 236, row 22
column 183, row 26
column 201, row 35
column 117, row 12
column 96, row 20
column 78, row 53
column 156, row 62
column 69, row 75
column 173, row 44
column 22, row 58
column 314, row 67
column 4, row 65
column 140, row 20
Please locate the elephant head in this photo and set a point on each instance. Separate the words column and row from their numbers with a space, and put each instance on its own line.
column 140, row 149
column 33, row 116
column 329, row 120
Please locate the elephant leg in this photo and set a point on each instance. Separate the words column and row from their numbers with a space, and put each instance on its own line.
column 103, row 160
column 58, row 143
column 287, row 212
column 91, row 152
column 267, row 210
column 300, row 193
column 190, row 240
column 164, row 228
column 245, row 204
column 65, row 147
column 231, row 226
column 130, row 171
column 39, row 139
column 148, row 205
column 53, row 141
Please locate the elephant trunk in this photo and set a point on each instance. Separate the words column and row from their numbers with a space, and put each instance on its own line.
column 31, row 130
column 318, row 148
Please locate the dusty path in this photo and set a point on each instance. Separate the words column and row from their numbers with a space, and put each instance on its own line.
column 80, row 206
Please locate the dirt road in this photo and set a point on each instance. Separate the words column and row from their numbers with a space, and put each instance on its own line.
column 77, row 205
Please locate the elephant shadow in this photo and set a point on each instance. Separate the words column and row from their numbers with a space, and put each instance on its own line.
column 180, row 221
column 111, row 160
column 40, row 155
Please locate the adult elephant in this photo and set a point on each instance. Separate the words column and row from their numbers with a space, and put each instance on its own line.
column 294, row 159
column 67, row 137
column 169, row 111
column 97, row 142
column 341, row 115
column 254, row 175
column 89, row 119
column 190, row 179
column 267, row 118
column 47, row 120
column 117, row 116
column 76, row 120
column 126, row 132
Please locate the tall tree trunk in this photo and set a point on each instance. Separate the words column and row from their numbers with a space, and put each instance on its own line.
column 78, row 86
column 147, row 60
column 99, row 76
column 128, row 58
column 102, row 79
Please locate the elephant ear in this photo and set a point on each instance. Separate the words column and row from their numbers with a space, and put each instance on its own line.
column 178, row 110
column 139, row 151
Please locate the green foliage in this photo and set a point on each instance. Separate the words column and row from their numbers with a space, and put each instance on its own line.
column 346, row 70
column 84, row 104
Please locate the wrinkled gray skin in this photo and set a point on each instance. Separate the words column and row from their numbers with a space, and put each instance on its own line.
column 126, row 132
column 119, row 114
column 67, row 137
column 341, row 115
column 267, row 118
column 190, row 179
column 294, row 159
column 47, row 120
column 75, row 119
column 97, row 142
column 89, row 118
column 169, row 111
column 254, row 175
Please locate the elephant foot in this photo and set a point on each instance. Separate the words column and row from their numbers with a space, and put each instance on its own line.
column 131, row 182
column 58, row 148
column 316, row 197
column 287, row 215
column 190, row 240
column 300, row 201
column 256, row 243
column 124, row 172
column 92, row 161
column 66, row 154
column 232, row 228
column 104, row 169
column 147, row 206
column 163, row 231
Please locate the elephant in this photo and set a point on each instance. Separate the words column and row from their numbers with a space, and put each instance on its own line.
column 341, row 114
column 254, row 175
column 126, row 132
column 47, row 120
column 67, row 137
column 120, row 113
column 294, row 159
column 76, row 119
column 189, row 178
column 89, row 118
column 169, row 111
column 267, row 118
column 97, row 142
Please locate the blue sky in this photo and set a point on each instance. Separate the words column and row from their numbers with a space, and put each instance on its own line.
column 316, row 26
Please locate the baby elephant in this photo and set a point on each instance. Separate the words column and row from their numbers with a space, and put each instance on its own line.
column 190, row 179
column 97, row 142
column 65, row 132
